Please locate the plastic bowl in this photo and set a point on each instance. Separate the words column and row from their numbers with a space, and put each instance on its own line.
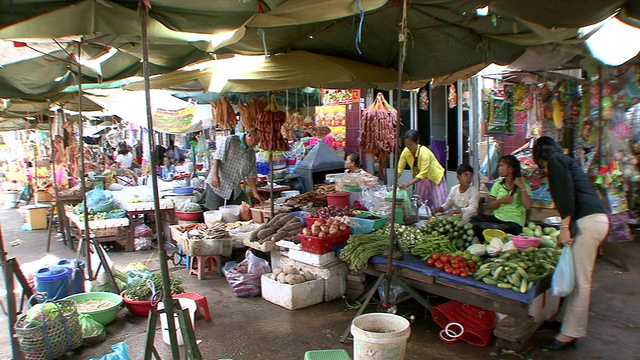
column 523, row 242
column 183, row 190
column 491, row 233
column 138, row 307
column 105, row 315
column 189, row 216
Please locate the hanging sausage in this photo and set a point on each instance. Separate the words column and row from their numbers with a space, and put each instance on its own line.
column 378, row 130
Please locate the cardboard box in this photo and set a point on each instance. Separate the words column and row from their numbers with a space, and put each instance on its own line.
column 292, row 297
column 36, row 217
column 544, row 306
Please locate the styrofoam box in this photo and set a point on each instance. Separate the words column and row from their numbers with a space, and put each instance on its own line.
column 292, row 297
column 323, row 260
column 288, row 244
column 335, row 275
column 544, row 306
column 176, row 235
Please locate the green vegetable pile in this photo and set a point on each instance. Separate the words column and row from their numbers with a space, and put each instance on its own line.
column 360, row 248
column 458, row 231
column 188, row 206
column 519, row 270
column 141, row 291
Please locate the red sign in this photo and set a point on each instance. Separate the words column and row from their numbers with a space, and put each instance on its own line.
column 340, row 96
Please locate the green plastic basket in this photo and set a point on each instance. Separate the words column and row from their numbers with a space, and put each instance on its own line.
column 337, row 354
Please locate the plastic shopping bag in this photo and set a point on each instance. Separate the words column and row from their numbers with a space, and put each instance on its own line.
column 244, row 278
column 120, row 352
column 564, row 276
column 92, row 331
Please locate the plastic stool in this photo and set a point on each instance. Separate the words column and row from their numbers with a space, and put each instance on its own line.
column 337, row 354
column 200, row 300
column 199, row 264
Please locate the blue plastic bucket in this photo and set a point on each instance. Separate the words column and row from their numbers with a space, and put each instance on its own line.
column 76, row 274
column 53, row 280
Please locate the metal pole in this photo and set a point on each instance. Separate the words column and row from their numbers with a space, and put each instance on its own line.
column 162, row 254
column 392, row 233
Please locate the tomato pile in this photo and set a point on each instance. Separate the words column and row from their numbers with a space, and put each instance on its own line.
column 461, row 265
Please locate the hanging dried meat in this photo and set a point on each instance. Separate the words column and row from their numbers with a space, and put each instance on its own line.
column 269, row 123
column 378, row 129
column 223, row 114
column 249, row 113
column 294, row 121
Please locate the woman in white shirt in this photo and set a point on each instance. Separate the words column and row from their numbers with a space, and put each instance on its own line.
column 125, row 157
column 462, row 198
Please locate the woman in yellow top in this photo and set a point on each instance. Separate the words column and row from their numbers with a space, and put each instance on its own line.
column 427, row 172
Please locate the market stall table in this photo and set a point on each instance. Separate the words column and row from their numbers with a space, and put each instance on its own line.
column 147, row 208
column 102, row 230
column 63, row 220
column 519, row 307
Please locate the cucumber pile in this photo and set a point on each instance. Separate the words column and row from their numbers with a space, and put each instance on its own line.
column 549, row 235
column 519, row 270
column 459, row 232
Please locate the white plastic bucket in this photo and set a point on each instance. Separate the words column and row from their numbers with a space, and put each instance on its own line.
column 380, row 336
column 10, row 199
column 212, row 217
column 186, row 304
column 230, row 213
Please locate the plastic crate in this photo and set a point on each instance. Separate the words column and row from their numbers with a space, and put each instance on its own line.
column 323, row 245
column 310, row 221
column 334, row 354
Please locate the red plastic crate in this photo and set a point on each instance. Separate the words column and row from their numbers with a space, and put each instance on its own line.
column 310, row 221
column 323, row 245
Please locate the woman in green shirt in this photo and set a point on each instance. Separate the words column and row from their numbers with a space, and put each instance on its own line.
column 509, row 198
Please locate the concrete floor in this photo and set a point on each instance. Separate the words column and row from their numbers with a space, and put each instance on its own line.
column 252, row 328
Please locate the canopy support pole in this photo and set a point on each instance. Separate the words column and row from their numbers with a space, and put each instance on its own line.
column 192, row 348
column 389, row 276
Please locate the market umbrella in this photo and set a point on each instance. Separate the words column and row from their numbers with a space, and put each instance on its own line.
column 443, row 37
column 295, row 69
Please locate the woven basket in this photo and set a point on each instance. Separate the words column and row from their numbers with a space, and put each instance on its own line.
column 478, row 323
column 54, row 337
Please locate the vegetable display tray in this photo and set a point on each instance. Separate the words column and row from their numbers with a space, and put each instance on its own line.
column 323, row 245
column 366, row 226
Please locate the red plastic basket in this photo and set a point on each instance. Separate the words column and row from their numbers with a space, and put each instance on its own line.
column 478, row 323
column 323, row 245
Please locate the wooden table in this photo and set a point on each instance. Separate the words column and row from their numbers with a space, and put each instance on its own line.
column 63, row 220
column 135, row 209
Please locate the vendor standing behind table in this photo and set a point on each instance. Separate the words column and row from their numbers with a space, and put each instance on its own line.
column 124, row 157
column 509, row 198
column 585, row 224
column 353, row 165
column 463, row 198
column 428, row 174
column 234, row 161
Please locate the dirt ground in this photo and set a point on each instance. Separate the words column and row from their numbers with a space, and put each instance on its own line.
column 252, row 328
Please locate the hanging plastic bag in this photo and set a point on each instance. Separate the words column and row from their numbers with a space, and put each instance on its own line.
column 92, row 331
column 564, row 276
column 119, row 353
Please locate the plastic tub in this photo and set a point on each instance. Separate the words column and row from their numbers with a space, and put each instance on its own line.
column 77, row 275
column 53, row 280
column 211, row 217
column 380, row 333
column 230, row 213
column 185, row 304
column 183, row 190
column 104, row 315
column 338, row 198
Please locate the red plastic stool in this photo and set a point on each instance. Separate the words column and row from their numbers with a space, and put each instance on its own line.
column 199, row 264
column 200, row 300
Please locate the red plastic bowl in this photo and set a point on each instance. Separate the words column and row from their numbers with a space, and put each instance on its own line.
column 189, row 216
column 138, row 307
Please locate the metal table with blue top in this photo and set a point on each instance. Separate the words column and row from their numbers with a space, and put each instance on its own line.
column 525, row 312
